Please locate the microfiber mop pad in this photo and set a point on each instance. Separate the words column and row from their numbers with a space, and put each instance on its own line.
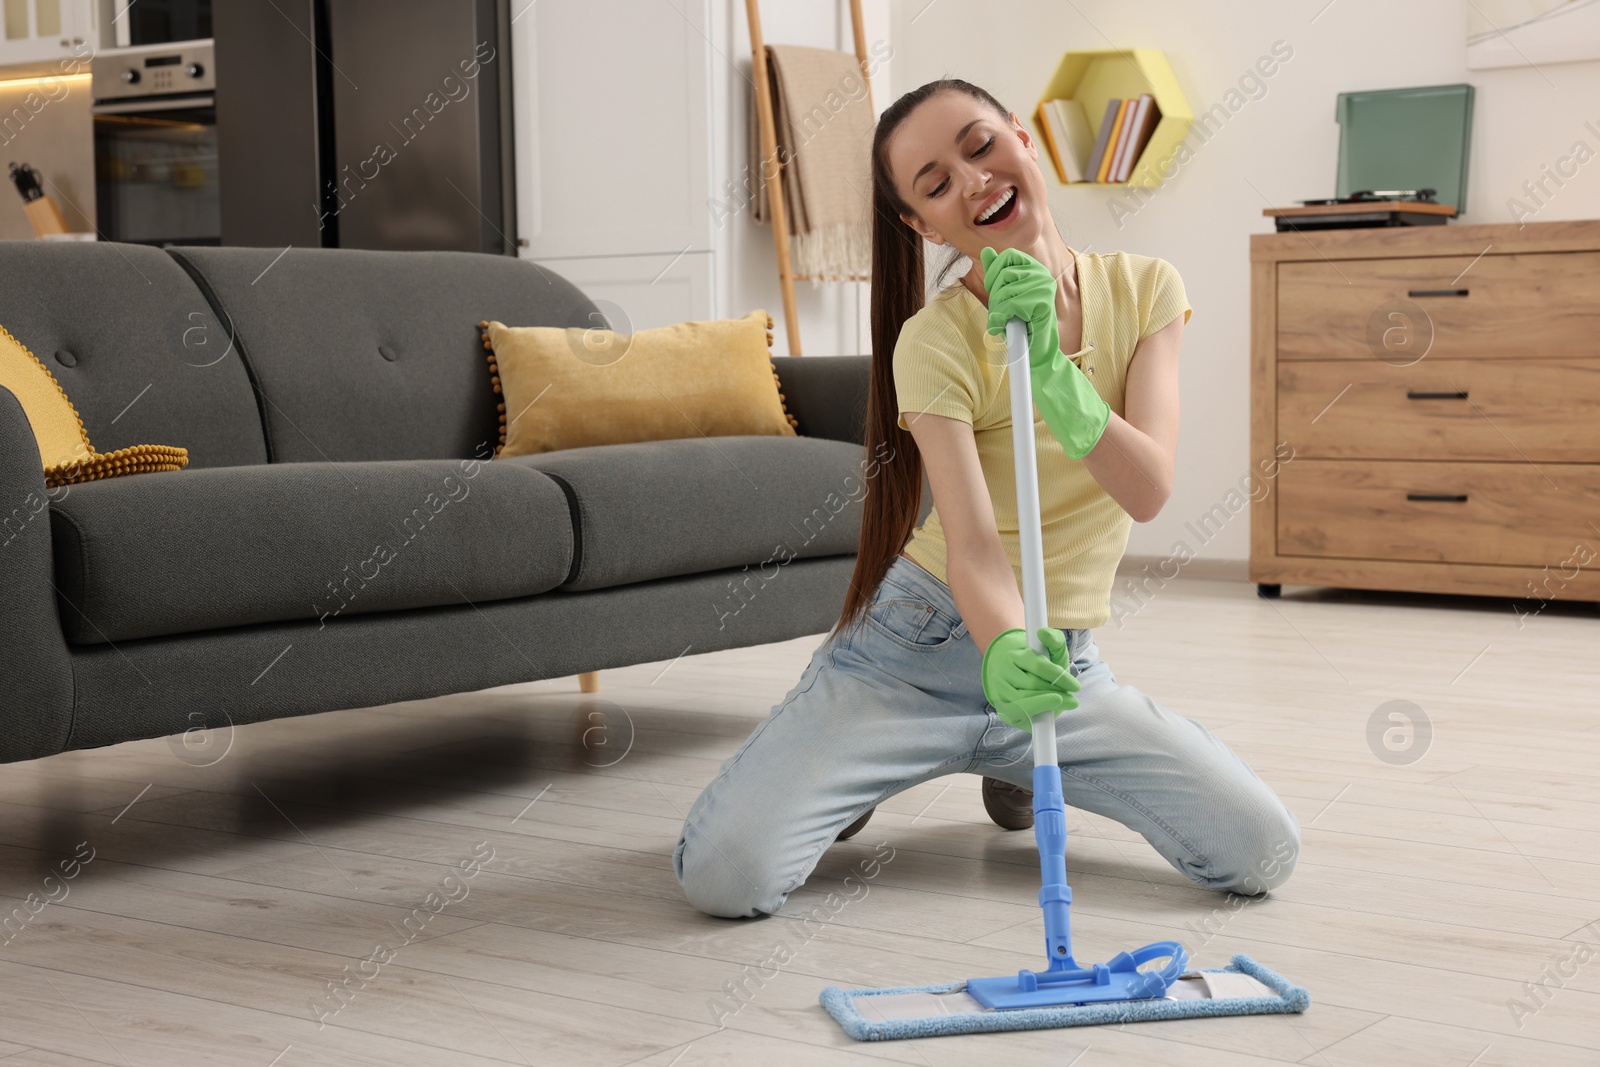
column 1244, row 987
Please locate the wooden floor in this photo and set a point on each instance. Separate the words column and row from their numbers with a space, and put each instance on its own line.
column 225, row 893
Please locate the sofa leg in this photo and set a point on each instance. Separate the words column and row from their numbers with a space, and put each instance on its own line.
column 589, row 682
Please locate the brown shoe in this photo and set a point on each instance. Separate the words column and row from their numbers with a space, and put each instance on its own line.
column 1010, row 807
column 856, row 827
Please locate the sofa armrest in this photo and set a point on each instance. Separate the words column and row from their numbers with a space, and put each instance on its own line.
column 827, row 395
column 35, row 672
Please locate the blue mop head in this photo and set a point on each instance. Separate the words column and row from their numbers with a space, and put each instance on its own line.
column 843, row 1005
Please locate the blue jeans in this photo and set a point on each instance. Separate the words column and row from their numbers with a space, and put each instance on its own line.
column 897, row 700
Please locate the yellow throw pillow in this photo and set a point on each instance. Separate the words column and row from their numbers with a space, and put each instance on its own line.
column 568, row 388
column 63, row 443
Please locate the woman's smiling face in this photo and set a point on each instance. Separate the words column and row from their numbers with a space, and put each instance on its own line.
column 956, row 161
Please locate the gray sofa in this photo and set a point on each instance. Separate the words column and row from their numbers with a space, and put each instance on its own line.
column 333, row 542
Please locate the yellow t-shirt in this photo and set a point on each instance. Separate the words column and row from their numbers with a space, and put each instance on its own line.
column 947, row 363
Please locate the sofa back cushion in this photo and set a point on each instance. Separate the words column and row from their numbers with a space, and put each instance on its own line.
column 134, row 345
column 370, row 355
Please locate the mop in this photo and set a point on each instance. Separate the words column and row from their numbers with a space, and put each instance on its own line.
column 1146, row 984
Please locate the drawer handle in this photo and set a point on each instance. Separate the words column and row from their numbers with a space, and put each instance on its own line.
column 1442, row 498
column 1436, row 292
column 1412, row 394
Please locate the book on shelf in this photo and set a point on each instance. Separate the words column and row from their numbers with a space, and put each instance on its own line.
column 1118, row 121
column 1125, row 132
column 1091, row 168
column 1067, row 136
column 1047, row 137
column 1122, row 139
column 1079, row 137
column 1145, row 117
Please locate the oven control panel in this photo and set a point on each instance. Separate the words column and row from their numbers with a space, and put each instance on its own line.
column 153, row 70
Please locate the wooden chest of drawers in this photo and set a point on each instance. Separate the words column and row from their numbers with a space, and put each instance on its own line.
column 1425, row 409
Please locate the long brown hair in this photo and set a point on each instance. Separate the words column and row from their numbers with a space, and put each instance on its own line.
column 894, row 495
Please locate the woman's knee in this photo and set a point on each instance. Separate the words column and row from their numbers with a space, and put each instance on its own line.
column 1264, row 848
column 724, row 880
column 1251, row 839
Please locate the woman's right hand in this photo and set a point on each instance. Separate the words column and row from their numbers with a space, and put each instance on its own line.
column 1020, row 683
column 1019, row 286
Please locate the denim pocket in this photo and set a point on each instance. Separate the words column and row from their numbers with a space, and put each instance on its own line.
column 912, row 622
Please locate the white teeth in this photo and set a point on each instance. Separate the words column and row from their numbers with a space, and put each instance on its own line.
column 1005, row 199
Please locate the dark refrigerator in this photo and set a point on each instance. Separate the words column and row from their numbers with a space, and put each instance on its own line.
column 382, row 124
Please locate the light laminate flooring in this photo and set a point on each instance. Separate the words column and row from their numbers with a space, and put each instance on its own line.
column 232, row 878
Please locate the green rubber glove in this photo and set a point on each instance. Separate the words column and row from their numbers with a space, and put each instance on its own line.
column 1021, row 683
column 1021, row 287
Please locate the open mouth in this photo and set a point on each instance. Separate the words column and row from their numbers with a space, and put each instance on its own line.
column 1000, row 210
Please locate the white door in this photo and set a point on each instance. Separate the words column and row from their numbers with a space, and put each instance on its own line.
column 613, row 119
column 640, row 292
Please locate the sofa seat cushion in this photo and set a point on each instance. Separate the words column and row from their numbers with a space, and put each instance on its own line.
column 657, row 509
column 185, row 551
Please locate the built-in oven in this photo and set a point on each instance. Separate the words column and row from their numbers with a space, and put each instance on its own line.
column 141, row 22
column 155, row 144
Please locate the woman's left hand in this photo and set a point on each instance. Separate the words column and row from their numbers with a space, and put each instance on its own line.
column 1019, row 683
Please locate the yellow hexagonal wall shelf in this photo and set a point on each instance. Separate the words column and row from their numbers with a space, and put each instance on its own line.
column 1092, row 78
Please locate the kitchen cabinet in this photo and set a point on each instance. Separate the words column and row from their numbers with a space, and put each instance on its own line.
column 33, row 32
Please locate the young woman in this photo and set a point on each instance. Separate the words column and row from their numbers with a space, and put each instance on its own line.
column 927, row 671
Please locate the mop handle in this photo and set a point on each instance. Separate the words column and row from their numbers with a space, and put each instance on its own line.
column 1035, row 611
column 1049, row 811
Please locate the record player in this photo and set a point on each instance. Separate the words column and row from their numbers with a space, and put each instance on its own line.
column 1368, row 207
column 1406, row 150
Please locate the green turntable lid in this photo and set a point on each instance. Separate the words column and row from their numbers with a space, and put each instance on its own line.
column 1406, row 139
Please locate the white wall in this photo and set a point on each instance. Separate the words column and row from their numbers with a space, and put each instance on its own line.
column 1277, row 148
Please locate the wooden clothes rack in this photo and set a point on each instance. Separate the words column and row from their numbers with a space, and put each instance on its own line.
column 770, row 160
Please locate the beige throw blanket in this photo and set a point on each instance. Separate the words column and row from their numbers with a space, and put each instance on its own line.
column 824, row 128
